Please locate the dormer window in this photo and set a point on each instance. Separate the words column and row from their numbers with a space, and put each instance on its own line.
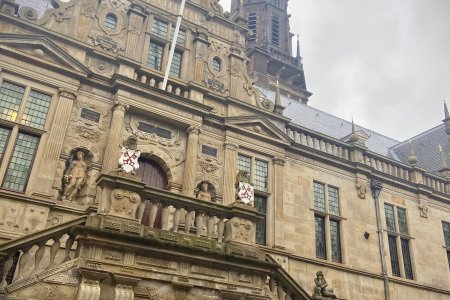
column 111, row 21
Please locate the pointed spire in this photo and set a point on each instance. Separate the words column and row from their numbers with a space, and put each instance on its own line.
column 447, row 115
column 412, row 158
column 278, row 107
column 354, row 138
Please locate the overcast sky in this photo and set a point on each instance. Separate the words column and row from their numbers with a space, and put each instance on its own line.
column 386, row 62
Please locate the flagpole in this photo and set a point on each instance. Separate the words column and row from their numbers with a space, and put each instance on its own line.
column 174, row 42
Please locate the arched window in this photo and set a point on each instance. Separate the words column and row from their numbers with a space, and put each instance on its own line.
column 152, row 174
column 111, row 21
column 216, row 64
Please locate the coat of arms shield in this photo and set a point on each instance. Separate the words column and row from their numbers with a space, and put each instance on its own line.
column 246, row 193
column 128, row 160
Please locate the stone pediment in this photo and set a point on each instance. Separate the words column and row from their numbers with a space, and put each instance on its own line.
column 41, row 50
column 257, row 126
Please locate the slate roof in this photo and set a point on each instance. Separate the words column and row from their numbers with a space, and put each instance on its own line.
column 425, row 145
column 426, row 149
column 322, row 122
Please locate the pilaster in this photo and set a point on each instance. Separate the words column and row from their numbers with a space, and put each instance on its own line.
column 112, row 153
column 278, row 170
column 49, row 162
column 137, row 15
column 191, row 161
column 229, row 178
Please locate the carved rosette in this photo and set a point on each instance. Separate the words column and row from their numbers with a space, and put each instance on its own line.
column 241, row 231
column 124, row 203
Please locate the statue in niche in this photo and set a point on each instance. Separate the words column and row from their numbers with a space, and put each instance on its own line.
column 322, row 290
column 203, row 194
column 75, row 177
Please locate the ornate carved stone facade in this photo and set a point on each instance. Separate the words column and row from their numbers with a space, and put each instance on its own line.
column 174, row 229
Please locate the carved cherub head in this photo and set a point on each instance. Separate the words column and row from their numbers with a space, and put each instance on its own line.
column 130, row 142
column 243, row 176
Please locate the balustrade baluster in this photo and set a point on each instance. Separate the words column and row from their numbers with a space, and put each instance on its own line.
column 38, row 255
column 199, row 222
column 176, row 219
column 296, row 136
column 188, row 221
column 6, row 268
column 177, row 91
column 54, row 250
column 220, row 229
column 152, row 82
column 210, row 226
column 165, row 217
column 143, row 79
column 153, row 213
column 23, row 261
column 69, row 244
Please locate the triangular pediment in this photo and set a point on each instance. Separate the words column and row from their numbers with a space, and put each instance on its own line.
column 259, row 127
column 41, row 50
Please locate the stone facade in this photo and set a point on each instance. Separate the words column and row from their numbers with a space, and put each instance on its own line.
column 100, row 65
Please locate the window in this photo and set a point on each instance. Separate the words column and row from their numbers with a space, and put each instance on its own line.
column 111, row 21
column 398, row 239
column 259, row 172
column 216, row 64
column 25, row 111
column 160, row 43
column 446, row 229
column 261, row 207
column 155, row 53
column 327, row 215
column 159, row 28
column 252, row 25
column 176, row 64
column 276, row 30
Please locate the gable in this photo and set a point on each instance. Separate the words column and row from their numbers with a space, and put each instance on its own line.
column 258, row 127
column 41, row 51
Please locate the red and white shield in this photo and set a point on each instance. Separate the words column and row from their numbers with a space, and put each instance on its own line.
column 128, row 160
column 246, row 193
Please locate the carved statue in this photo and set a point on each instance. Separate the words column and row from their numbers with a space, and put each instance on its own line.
column 128, row 160
column 203, row 194
column 242, row 176
column 75, row 178
column 322, row 290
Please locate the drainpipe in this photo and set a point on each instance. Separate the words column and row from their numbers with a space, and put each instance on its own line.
column 376, row 186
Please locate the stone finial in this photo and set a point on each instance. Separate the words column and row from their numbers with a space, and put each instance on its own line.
column 298, row 46
column 354, row 138
column 446, row 119
column 412, row 158
column 322, row 290
column 278, row 107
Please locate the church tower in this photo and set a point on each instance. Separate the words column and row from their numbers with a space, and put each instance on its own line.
column 269, row 48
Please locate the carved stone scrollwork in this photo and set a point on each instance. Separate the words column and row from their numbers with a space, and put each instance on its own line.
column 423, row 208
column 59, row 10
column 361, row 188
column 240, row 230
column 124, row 203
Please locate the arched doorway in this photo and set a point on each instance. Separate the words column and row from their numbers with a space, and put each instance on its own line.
column 152, row 174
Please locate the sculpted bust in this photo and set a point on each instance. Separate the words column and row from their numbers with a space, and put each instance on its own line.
column 203, row 194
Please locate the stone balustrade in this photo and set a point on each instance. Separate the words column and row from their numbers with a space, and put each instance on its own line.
column 124, row 196
column 156, row 80
column 25, row 256
column 321, row 143
column 435, row 182
column 386, row 166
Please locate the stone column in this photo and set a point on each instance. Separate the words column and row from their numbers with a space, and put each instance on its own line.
column 137, row 15
column 190, row 163
column 49, row 162
column 112, row 152
column 277, row 200
column 229, row 178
